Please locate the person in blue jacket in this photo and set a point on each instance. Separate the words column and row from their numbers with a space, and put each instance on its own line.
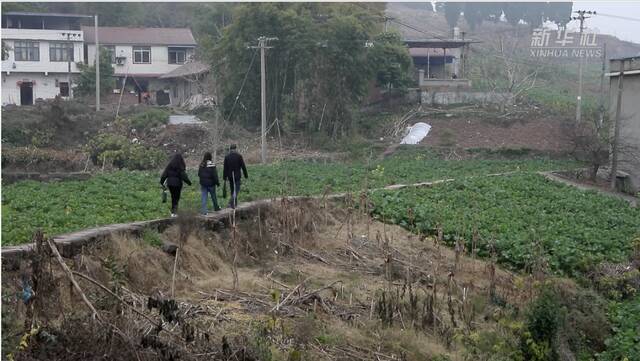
column 208, row 175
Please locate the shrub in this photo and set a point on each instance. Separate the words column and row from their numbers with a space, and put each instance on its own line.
column 118, row 151
column 152, row 238
column 149, row 119
column 17, row 136
column 543, row 317
column 23, row 155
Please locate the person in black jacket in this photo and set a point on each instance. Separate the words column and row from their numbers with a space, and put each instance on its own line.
column 208, row 175
column 233, row 164
column 174, row 174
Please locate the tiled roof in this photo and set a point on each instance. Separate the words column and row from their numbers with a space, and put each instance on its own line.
column 192, row 68
column 140, row 36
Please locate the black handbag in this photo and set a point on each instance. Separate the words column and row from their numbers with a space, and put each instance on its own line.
column 164, row 195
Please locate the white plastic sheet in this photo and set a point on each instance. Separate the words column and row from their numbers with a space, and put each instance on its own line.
column 184, row 119
column 416, row 133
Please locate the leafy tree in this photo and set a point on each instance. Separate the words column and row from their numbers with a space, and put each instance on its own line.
column 319, row 61
column 558, row 12
column 86, row 84
column 514, row 12
column 451, row 11
column 533, row 13
column 474, row 13
column 392, row 61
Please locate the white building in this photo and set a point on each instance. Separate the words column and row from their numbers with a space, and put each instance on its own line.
column 142, row 56
column 39, row 57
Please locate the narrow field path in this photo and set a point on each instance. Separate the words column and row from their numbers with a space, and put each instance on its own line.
column 633, row 201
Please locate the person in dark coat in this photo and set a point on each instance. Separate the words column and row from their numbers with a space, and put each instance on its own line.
column 208, row 175
column 174, row 174
column 233, row 165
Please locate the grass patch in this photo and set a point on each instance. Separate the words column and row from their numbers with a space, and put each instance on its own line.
column 152, row 238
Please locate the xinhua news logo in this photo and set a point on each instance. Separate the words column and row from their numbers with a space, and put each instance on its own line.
column 564, row 44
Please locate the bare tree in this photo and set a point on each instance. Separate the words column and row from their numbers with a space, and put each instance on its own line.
column 592, row 142
column 503, row 72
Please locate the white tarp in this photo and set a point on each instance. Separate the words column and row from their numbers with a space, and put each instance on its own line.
column 416, row 133
column 184, row 119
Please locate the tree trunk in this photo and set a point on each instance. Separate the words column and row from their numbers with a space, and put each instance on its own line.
column 593, row 172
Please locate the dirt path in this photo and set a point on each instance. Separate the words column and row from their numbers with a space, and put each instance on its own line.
column 633, row 201
column 471, row 132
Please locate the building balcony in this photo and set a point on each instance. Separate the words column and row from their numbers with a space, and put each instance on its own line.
column 42, row 34
column 425, row 82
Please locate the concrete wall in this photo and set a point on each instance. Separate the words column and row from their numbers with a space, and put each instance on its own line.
column 159, row 60
column 629, row 156
column 44, row 37
column 438, row 97
column 44, row 88
column 43, row 72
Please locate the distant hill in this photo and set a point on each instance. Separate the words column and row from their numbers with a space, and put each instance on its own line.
column 421, row 16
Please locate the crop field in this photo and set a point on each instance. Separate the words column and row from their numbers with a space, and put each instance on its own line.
column 522, row 215
column 125, row 196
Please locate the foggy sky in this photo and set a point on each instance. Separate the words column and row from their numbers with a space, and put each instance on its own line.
column 623, row 29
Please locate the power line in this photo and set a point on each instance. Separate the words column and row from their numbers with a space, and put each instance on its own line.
column 617, row 16
column 246, row 75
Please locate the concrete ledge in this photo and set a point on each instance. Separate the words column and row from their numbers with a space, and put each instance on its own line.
column 73, row 243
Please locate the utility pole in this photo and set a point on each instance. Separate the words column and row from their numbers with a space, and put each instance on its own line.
column 69, row 53
column 262, row 45
column 616, row 136
column 95, row 30
column 581, row 17
column 386, row 22
column 604, row 60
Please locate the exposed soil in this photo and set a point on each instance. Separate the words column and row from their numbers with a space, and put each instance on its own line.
column 544, row 134
column 312, row 282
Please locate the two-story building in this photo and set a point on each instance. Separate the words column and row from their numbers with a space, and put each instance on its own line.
column 140, row 56
column 39, row 55
column 629, row 118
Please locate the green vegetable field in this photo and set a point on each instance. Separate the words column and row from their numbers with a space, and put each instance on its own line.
column 125, row 196
column 625, row 344
column 573, row 229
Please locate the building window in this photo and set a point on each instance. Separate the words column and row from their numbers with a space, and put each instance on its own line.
column 27, row 50
column 141, row 55
column 61, row 52
column 177, row 55
column 111, row 50
column 64, row 89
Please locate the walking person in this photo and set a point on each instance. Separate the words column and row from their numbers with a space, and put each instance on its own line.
column 233, row 164
column 174, row 174
column 208, row 175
